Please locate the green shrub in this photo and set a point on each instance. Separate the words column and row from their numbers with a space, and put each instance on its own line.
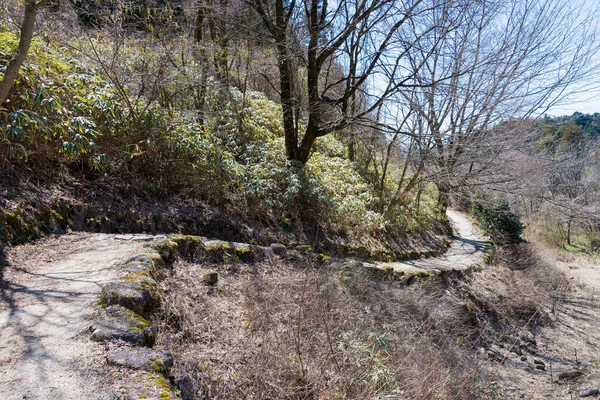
column 593, row 240
column 499, row 222
column 57, row 108
column 64, row 113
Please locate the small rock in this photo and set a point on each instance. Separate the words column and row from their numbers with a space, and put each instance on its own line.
column 570, row 375
column 278, row 248
column 529, row 338
column 139, row 295
column 140, row 358
column 210, row 277
column 125, row 325
column 185, row 384
column 540, row 367
column 539, row 362
column 589, row 391
column 494, row 355
column 304, row 248
column 523, row 358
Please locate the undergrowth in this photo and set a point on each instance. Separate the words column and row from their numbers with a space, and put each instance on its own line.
column 293, row 330
column 277, row 330
column 68, row 117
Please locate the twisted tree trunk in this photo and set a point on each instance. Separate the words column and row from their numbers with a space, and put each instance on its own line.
column 12, row 69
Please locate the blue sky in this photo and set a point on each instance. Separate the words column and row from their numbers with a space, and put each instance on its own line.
column 587, row 103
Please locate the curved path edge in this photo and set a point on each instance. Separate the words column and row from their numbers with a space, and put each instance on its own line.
column 468, row 247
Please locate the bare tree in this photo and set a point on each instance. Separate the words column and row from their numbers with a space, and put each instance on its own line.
column 505, row 59
column 356, row 38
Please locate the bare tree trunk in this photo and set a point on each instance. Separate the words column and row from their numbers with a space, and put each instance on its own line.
column 201, row 55
column 443, row 195
column 328, row 102
column 12, row 70
column 419, row 193
column 223, row 44
column 286, row 96
column 385, row 169
column 352, row 149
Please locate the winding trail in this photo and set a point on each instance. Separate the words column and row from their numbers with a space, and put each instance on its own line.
column 467, row 248
column 48, row 293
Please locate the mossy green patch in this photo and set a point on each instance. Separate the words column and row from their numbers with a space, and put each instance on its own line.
column 221, row 251
column 247, row 252
column 189, row 247
column 156, row 364
column 323, row 258
column 574, row 248
column 167, row 249
column 387, row 268
column 156, row 381
column 141, row 322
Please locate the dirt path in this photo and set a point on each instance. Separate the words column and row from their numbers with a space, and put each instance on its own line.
column 48, row 293
column 468, row 247
column 47, row 297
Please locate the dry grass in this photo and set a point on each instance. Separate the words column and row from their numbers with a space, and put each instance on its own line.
column 517, row 289
column 279, row 330
column 526, row 258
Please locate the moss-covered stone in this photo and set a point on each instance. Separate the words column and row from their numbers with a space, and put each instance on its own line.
column 248, row 252
column 19, row 226
column 167, row 249
column 123, row 324
column 220, row 251
column 210, row 277
column 359, row 251
column 189, row 247
column 381, row 255
column 157, row 361
column 278, row 248
column 352, row 265
column 137, row 294
column 139, row 269
column 51, row 219
column 304, row 248
column 152, row 259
